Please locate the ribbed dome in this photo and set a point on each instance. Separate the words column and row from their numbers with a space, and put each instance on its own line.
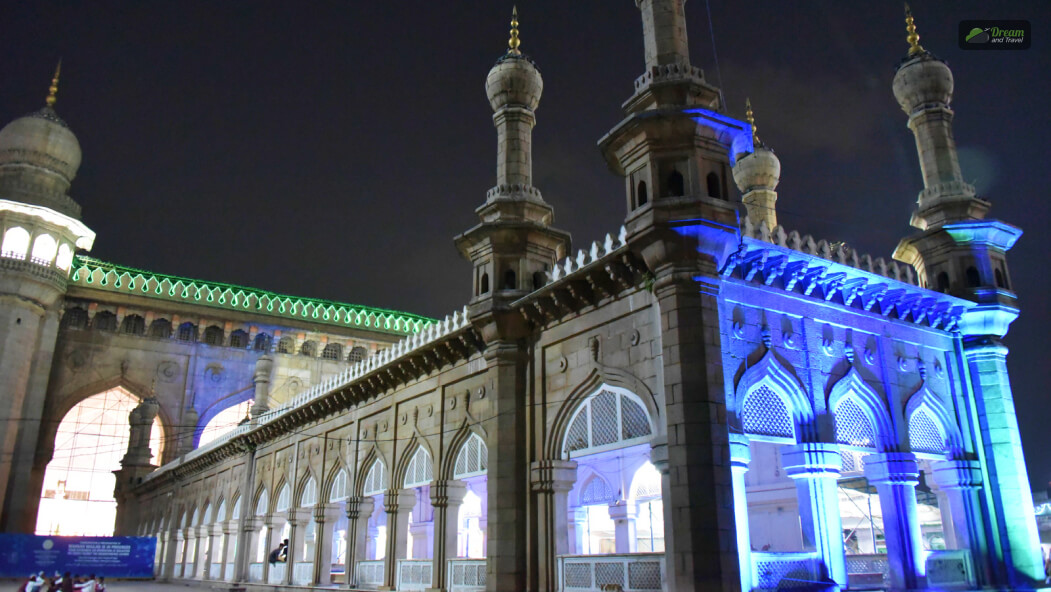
column 514, row 80
column 759, row 170
column 41, row 139
column 922, row 80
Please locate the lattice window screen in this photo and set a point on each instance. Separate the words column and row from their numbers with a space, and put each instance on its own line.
column 262, row 505
column 220, row 514
column 924, row 435
column 309, row 494
column 764, row 413
column 376, row 479
column 648, row 485
column 420, row 470
column 596, row 492
column 473, row 458
column 853, row 427
column 604, row 419
column 339, row 487
column 284, row 499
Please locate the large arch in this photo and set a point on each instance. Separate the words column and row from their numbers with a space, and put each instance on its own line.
column 217, row 419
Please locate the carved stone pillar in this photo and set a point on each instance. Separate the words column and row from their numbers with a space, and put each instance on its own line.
column 398, row 503
column 623, row 515
column 297, row 520
column 895, row 475
column 551, row 482
column 358, row 510
column 245, row 553
column 446, row 498
column 577, row 524
column 230, row 532
column 204, row 551
column 271, row 543
column 740, row 457
column 815, row 469
column 325, row 515
column 959, row 482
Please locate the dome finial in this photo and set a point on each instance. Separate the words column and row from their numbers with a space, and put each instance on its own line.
column 913, row 37
column 514, row 42
column 750, row 118
column 53, row 90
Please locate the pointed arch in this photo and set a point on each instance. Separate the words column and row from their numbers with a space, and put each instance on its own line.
column 853, row 388
column 414, row 444
column 598, row 377
column 206, row 517
column 419, row 470
column 770, row 379
column 283, row 503
column 262, row 501
column 596, row 490
column 447, row 467
column 338, row 486
column 930, row 425
column 609, row 418
column 376, row 480
column 472, row 459
column 307, row 494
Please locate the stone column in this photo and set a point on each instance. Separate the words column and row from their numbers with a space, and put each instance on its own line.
column 358, row 510
column 577, row 525
column 398, row 504
column 551, row 482
column 268, row 522
column 815, row 468
column 895, row 475
column 740, row 457
column 179, row 556
column 171, row 554
column 261, row 379
column 204, row 551
column 623, row 515
column 297, row 519
column 324, row 516
column 959, row 482
column 230, row 532
column 446, row 498
column 249, row 541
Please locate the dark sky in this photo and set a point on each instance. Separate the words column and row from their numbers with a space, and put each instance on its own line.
column 333, row 149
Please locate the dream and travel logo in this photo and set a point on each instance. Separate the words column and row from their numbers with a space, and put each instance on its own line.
column 995, row 35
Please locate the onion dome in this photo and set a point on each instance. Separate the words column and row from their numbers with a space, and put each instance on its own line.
column 761, row 169
column 514, row 80
column 921, row 78
column 42, row 140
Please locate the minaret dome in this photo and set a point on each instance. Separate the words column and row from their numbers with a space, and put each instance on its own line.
column 42, row 140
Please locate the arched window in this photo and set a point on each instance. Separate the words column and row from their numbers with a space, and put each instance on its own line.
column 187, row 332
column 239, row 339
column 213, row 335
column 75, row 318
column 65, row 257
column 105, row 321
column 285, row 345
column 160, row 329
column 943, row 282
column 676, row 185
column 510, row 280
column 220, row 514
column 375, row 479
column 853, row 427
column 649, row 509
column 235, row 514
column 309, row 497
column 357, row 354
column 332, row 351
column 607, row 420
column 207, row 514
column 262, row 505
column 16, row 243
column 641, row 195
column 133, row 325
column 764, row 413
column 473, row 458
column 261, row 343
column 924, row 433
column 420, row 470
column 597, row 492
column 973, row 279
column 309, row 349
column 485, row 284
column 44, row 248
column 1000, row 279
column 714, row 186
column 284, row 499
column 339, row 487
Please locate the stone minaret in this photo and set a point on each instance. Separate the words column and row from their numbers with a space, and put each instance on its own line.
column 757, row 175
column 40, row 229
column 135, row 465
column 261, row 402
column 962, row 252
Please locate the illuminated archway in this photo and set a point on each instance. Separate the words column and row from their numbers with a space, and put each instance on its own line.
column 77, row 497
column 224, row 421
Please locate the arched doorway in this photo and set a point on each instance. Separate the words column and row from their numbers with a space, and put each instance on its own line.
column 77, row 496
column 224, row 421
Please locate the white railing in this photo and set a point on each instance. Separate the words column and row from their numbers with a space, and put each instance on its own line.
column 303, row 573
column 634, row 572
column 584, row 257
column 277, row 573
column 215, row 571
column 228, row 572
column 255, row 572
column 466, row 575
column 950, row 569
column 414, row 574
column 782, row 571
column 369, row 574
column 868, row 571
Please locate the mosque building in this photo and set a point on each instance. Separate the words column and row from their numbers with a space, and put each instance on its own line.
column 701, row 400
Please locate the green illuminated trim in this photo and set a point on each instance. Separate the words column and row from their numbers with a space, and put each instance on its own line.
column 96, row 274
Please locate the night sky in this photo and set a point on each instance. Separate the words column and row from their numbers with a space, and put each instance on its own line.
column 333, row 149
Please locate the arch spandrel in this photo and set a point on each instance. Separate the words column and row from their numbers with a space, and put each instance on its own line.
column 769, row 373
column 926, row 401
column 854, row 386
column 446, row 469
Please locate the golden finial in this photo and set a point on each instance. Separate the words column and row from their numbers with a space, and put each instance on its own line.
column 750, row 118
column 53, row 90
column 513, row 43
column 913, row 37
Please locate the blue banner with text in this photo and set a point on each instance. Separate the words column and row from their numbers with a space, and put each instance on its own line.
column 112, row 557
